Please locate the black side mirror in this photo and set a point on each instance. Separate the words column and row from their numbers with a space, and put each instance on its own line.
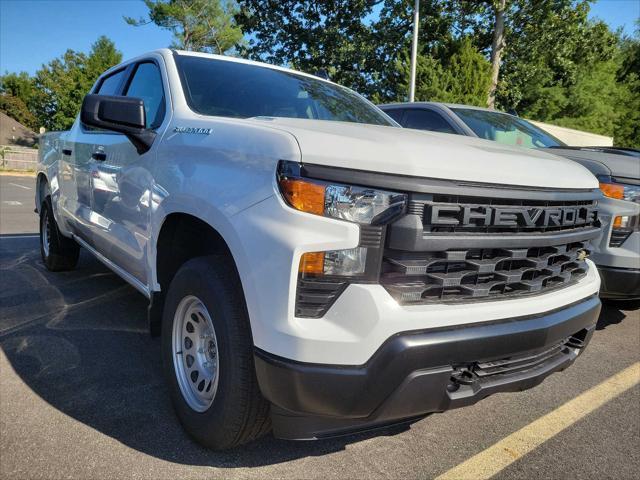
column 119, row 114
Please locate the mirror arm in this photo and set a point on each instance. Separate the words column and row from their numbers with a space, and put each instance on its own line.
column 142, row 140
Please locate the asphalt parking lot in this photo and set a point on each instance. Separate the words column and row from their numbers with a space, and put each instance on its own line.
column 81, row 395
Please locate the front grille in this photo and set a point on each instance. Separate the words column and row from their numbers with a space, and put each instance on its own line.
column 452, row 275
column 427, row 262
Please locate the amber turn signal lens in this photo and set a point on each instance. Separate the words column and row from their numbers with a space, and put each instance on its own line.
column 612, row 190
column 312, row 262
column 304, row 196
column 617, row 222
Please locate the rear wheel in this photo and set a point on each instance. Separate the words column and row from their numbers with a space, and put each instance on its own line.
column 58, row 252
column 207, row 353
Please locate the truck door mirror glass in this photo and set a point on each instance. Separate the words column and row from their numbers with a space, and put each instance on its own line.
column 124, row 115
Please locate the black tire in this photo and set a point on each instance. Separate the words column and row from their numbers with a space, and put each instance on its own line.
column 62, row 252
column 238, row 413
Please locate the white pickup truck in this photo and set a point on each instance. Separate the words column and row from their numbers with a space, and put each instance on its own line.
column 311, row 267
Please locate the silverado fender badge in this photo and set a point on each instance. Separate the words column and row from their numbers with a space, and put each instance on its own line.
column 201, row 131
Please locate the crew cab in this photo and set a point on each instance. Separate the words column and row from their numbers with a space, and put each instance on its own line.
column 311, row 267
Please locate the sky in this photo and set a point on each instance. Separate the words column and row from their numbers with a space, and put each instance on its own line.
column 33, row 32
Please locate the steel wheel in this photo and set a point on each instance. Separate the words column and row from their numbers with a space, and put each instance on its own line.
column 195, row 353
column 46, row 233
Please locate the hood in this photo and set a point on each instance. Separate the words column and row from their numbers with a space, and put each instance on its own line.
column 428, row 154
column 603, row 163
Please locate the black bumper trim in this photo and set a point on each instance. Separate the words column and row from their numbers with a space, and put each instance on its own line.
column 619, row 283
column 410, row 374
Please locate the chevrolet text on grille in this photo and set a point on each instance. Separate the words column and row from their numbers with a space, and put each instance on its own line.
column 472, row 216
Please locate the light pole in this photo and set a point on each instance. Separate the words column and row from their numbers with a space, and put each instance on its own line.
column 414, row 51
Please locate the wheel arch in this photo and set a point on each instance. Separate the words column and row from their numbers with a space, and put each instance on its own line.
column 183, row 236
column 42, row 184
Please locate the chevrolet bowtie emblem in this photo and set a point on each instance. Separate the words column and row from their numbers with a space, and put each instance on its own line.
column 582, row 254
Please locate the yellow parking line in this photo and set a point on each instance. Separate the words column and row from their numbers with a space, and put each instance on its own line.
column 502, row 454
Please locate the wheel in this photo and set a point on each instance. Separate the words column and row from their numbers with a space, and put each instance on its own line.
column 207, row 354
column 58, row 252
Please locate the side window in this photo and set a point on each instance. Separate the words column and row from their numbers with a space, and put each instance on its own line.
column 426, row 120
column 395, row 113
column 109, row 86
column 147, row 85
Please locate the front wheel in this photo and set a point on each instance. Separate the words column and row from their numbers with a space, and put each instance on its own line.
column 58, row 252
column 207, row 354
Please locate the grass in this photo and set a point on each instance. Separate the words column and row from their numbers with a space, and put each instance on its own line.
column 14, row 171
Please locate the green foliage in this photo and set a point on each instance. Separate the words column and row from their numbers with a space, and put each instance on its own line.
column 592, row 102
column 333, row 36
column 557, row 65
column 461, row 75
column 627, row 126
column 61, row 84
column 3, row 152
column 199, row 25
column 18, row 85
column 15, row 108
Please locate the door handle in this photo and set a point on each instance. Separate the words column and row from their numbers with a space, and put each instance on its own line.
column 66, row 151
column 99, row 156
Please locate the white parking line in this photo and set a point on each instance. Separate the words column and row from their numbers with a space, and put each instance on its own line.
column 20, row 186
column 13, row 203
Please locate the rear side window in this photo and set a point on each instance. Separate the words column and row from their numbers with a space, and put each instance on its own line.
column 109, row 86
column 147, row 85
column 426, row 120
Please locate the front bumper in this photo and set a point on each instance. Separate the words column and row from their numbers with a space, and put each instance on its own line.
column 619, row 283
column 419, row 372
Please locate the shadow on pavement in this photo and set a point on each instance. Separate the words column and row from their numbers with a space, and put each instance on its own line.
column 79, row 340
column 612, row 312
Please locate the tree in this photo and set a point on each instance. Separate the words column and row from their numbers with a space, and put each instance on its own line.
column 199, row 25
column 627, row 126
column 497, row 46
column 334, row 36
column 19, row 85
column 62, row 83
column 15, row 108
column 460, row 75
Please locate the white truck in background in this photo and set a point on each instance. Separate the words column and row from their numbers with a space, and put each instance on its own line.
column 311, row 267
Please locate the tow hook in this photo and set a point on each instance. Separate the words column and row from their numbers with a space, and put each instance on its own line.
column 460, row 376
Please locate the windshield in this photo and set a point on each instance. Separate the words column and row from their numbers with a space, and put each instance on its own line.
column 240, row 90
column 505, row 128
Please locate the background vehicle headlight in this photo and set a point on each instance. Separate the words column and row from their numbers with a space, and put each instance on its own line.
column 621, row 191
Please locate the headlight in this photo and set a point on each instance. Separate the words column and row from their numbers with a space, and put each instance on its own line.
column 345, row 202
column 368, row 207
column 621, row 191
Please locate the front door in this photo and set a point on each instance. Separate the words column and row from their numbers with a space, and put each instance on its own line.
column 76, row 164
column 121, row 181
